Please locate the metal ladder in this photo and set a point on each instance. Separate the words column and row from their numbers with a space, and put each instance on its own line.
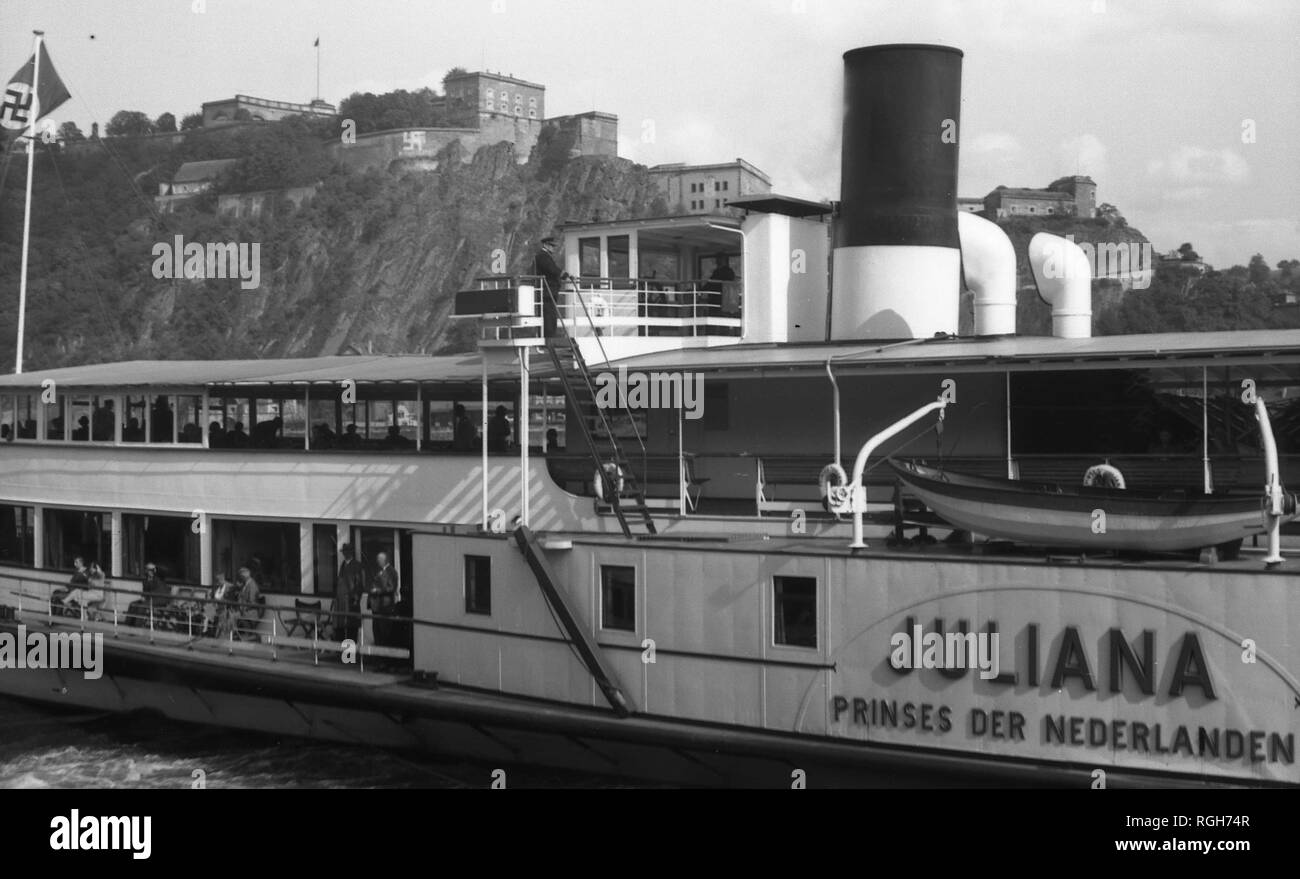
column 580, row 391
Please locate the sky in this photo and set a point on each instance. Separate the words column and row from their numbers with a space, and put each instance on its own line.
column 1185, row 113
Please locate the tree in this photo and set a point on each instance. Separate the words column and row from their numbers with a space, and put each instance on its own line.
column 70, row 133
column 454, row 72
column 128, row 123
column 165, row 123
column 192, row 121
column 1186, row 252
column 1259, row 270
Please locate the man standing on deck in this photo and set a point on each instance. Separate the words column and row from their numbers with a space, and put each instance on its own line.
column 385, row 591
column 347, row 595
column 553, row 280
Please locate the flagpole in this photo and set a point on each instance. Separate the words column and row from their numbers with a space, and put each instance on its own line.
column 318, row 67
column 27, row 206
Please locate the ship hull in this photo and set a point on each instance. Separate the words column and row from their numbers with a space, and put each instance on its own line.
column 390, row 711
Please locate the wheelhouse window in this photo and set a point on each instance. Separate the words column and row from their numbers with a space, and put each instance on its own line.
column 17, row 535
column 794, row 610
column 478, row 584
column 169, row 542
column 73, row 533
column 618, row 597
column 589, row 257
column 270, row 550
column 620, row 261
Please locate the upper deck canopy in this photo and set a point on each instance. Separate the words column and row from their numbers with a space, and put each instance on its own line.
column 305, row 370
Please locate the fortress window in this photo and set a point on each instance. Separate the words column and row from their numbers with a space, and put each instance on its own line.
column 478, row 584
column 532, row 114
column 794, row 611
column 618, row 597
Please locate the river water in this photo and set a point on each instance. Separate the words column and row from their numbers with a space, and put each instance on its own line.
column 44, row 748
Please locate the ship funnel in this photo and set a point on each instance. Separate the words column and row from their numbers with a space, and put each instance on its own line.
column 896, row 263
column 1064, row 281
column 988, row 266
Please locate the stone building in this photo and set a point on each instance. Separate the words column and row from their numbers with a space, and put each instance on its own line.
column 191, row 179
column 472, row 96
column 1076, row 196
column 261, row 110
column 705, row 189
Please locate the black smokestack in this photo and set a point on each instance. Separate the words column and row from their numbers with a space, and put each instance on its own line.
column 898, row 190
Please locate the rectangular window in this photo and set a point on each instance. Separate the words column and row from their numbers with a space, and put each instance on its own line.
column 17, row 536
column 270, row 550
column 726, row 185
column 325, row 565
column 589, row 257
column 618, row 597
column 25, row 415
column 620, row 262
column 189, row 408
column 135, row 415
column 73, row 533
column 794, row 611
column 162, row 420
column 166, row 541
column 478, row 584
column 717, row 202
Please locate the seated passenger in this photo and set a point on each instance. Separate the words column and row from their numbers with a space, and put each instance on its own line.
column 266, row 433
column 237, row 438
column 395, row 440
column 59, row 597
column 191, row 433
column 82, row 433
column 322, row 437
column 216, row 435
column 350, row 439
column 102, row 421
column 6, row 434
column 91, row 596
column 28, row 429
column 133, row 432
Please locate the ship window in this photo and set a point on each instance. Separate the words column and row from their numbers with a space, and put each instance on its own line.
column 717, row 406
column 270, row 550
column 55, row 420
column 17, row 536
column 73, row 533
column 325, row 558
column 589, row 257
column 162, row 420
column 135, row 415
column 19, row 421
column 370, row 542
column 189, row 410
column 478, row 584
column 620, row 264
column 166, row 541
column 794, row 611
column 618, row 597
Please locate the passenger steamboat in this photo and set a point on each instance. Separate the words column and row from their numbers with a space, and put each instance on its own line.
column 632, row 590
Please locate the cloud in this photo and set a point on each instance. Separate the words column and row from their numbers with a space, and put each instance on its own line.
column 1086, row 154
column 1197, row 165
column 999, row 143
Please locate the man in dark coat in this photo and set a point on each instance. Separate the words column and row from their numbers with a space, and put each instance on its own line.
column 347, row 594
column 385, row 591
column 553, row 281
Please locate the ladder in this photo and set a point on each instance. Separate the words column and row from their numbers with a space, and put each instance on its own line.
column 605, row 450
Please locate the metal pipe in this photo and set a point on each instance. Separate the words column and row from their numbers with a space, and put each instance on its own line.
column 835, row 393
column 1274, row 507
column 860, row 464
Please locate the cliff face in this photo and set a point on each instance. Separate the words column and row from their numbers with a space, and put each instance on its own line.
column 370, row 264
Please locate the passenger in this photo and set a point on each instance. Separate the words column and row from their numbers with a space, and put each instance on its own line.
column 163, row 421
column 153, row 605
column 102, row 422
column 347, row 595
column 395, row 440
column 552, row 441
column 553, row 279
column 237, row 438
column 216, row 435
column 90, row 596
column 322, row 437
column 28, row 429
column 191, row 433
column 499, row 431
column 216, row 613
column 54, row 430
column 350, row 439
column 241, row 618
column 6, row 434
column 722, row 273
column 266, row 433
column 59, row 597
column 82, row 433
column 463, row 437
column 133, row 433
column 385, row 592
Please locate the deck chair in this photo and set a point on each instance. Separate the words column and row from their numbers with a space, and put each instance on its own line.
column 306, row 617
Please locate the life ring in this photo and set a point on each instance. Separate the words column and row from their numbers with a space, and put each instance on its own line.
column 833, row 484
column 608, row 476
column 1103, row 476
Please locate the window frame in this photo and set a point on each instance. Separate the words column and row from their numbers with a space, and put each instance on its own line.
column 472, row 605
column 779, row 581
column 605, row 586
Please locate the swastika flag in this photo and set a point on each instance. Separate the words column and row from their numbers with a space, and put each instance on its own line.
column 20, row 107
